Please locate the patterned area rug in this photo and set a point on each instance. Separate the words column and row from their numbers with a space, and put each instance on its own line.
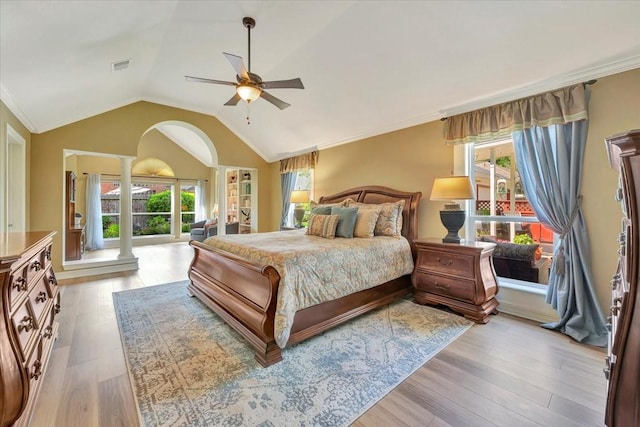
column 188, row 368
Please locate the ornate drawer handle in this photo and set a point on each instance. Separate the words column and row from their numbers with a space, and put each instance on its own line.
column 615, row 309
column 20, row 284
column 446, row 262
column 48, row 332
column 26, row 324
column 621, row 250
column 52, row 279
column 35, row 265
column 617, row 301
column 47, row 254
column 42, row 296
column 618, row 195
column 56, row 308
column 37, row 370
column 622, row 238
column 441, row 286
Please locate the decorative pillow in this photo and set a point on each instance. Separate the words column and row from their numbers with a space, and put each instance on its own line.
column 313, row 204
column 389, row 222
column 323, row 225
column 365, row 222
column 321, row 210
column 347, row 221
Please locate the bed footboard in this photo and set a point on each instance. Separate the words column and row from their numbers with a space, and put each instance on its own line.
column 243, row 293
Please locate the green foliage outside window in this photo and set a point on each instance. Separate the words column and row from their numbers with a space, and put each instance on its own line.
column 112, row 230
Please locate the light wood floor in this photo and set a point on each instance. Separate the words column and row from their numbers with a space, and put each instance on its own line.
column 509, row 372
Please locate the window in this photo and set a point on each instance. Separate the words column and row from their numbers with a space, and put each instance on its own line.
column 304, row 181
column 502, row 213
column 152, row 202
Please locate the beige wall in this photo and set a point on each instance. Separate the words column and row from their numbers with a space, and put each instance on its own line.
column 408, row 159
column 118, row 132
column 8, row 118
column 411, row 158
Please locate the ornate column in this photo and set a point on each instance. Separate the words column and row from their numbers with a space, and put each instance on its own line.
column 126, row 228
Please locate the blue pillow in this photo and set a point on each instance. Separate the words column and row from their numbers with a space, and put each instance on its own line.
column 321, row 210
column 347, row 221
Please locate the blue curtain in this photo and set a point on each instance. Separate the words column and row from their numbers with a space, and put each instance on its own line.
column 550, row 163
column 93, row 226
column 287, row 182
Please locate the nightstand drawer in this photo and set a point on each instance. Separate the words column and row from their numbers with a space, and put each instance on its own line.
column 450, row 287
column 446, row 263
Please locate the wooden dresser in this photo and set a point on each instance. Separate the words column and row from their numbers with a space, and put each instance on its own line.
column 458, row 275
column 30, row 302
column 623, row 359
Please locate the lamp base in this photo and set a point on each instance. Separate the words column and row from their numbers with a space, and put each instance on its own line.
column 453, row 220
column 298, row 214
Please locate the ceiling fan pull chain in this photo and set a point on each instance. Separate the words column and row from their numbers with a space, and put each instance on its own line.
column 248, row 121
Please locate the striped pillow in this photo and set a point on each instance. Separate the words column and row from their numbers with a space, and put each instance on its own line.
column 323, row 225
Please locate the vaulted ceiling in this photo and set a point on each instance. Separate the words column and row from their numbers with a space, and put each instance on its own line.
column 368, row 67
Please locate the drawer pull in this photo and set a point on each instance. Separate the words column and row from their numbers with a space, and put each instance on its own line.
column 26, row 324
column 35, row 265
column 42, row 296
column 618, row 195
column 47, row 254
column 615, row 310
column 622, row 238
column 446, row 262
column 48, row 332
column 56, row 308
column 444, row 287
column 617, row 301
column 20, row 284
column 37, row 370
column 52, row 279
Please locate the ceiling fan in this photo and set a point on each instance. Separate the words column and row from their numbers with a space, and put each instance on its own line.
column 250, row 86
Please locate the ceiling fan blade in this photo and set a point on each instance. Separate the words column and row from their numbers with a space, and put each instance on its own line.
column 275, row 101
column 202, row 80
column 233, row 101
column 283, row 84
column 238, row 65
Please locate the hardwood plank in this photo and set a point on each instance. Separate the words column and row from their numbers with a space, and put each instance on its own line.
column 501, row 396
column 115, row 407
column 506, row 363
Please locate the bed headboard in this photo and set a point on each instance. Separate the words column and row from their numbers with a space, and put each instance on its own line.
column 376, row 194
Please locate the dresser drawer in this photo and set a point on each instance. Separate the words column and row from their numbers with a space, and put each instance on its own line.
column 24, row 325
column 18, row 287
column 464, row 290
column 446, row 262
column 40, row 298
column 34, row 267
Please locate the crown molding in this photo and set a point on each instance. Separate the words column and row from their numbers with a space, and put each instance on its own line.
column 15, row 109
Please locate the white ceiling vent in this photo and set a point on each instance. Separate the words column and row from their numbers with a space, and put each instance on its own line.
column 120, row 65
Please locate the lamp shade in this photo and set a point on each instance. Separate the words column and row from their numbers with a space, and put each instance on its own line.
column 299, row 196
column 248, row 92
column 452, row 188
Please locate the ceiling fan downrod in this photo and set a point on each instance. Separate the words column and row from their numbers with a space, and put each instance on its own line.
column 249, row 23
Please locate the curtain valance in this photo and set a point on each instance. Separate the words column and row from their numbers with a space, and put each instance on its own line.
column 561, row 106
column 303, row 161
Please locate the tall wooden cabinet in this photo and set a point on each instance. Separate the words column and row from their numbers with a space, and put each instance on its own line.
column 74, row 233
column 242, row 202
column 623, row 359
column 30, row 302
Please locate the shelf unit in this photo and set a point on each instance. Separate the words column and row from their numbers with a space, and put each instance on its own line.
column 241, row 198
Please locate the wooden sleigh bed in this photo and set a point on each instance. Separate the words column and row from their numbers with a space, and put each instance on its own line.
column 244, row 293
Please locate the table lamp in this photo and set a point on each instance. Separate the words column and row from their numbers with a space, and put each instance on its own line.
column 298, row 197
column 450, row 189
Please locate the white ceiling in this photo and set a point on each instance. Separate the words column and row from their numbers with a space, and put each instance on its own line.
column 368, row 67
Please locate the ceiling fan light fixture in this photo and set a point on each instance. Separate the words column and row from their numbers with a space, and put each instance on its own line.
column 248, row 92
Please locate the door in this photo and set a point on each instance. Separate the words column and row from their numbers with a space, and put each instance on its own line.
column 15, row 183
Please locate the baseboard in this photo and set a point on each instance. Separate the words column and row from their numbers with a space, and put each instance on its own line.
column 96, row 268
column 526, row 304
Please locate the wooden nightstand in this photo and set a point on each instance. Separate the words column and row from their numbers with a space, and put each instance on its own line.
column 460, row 276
